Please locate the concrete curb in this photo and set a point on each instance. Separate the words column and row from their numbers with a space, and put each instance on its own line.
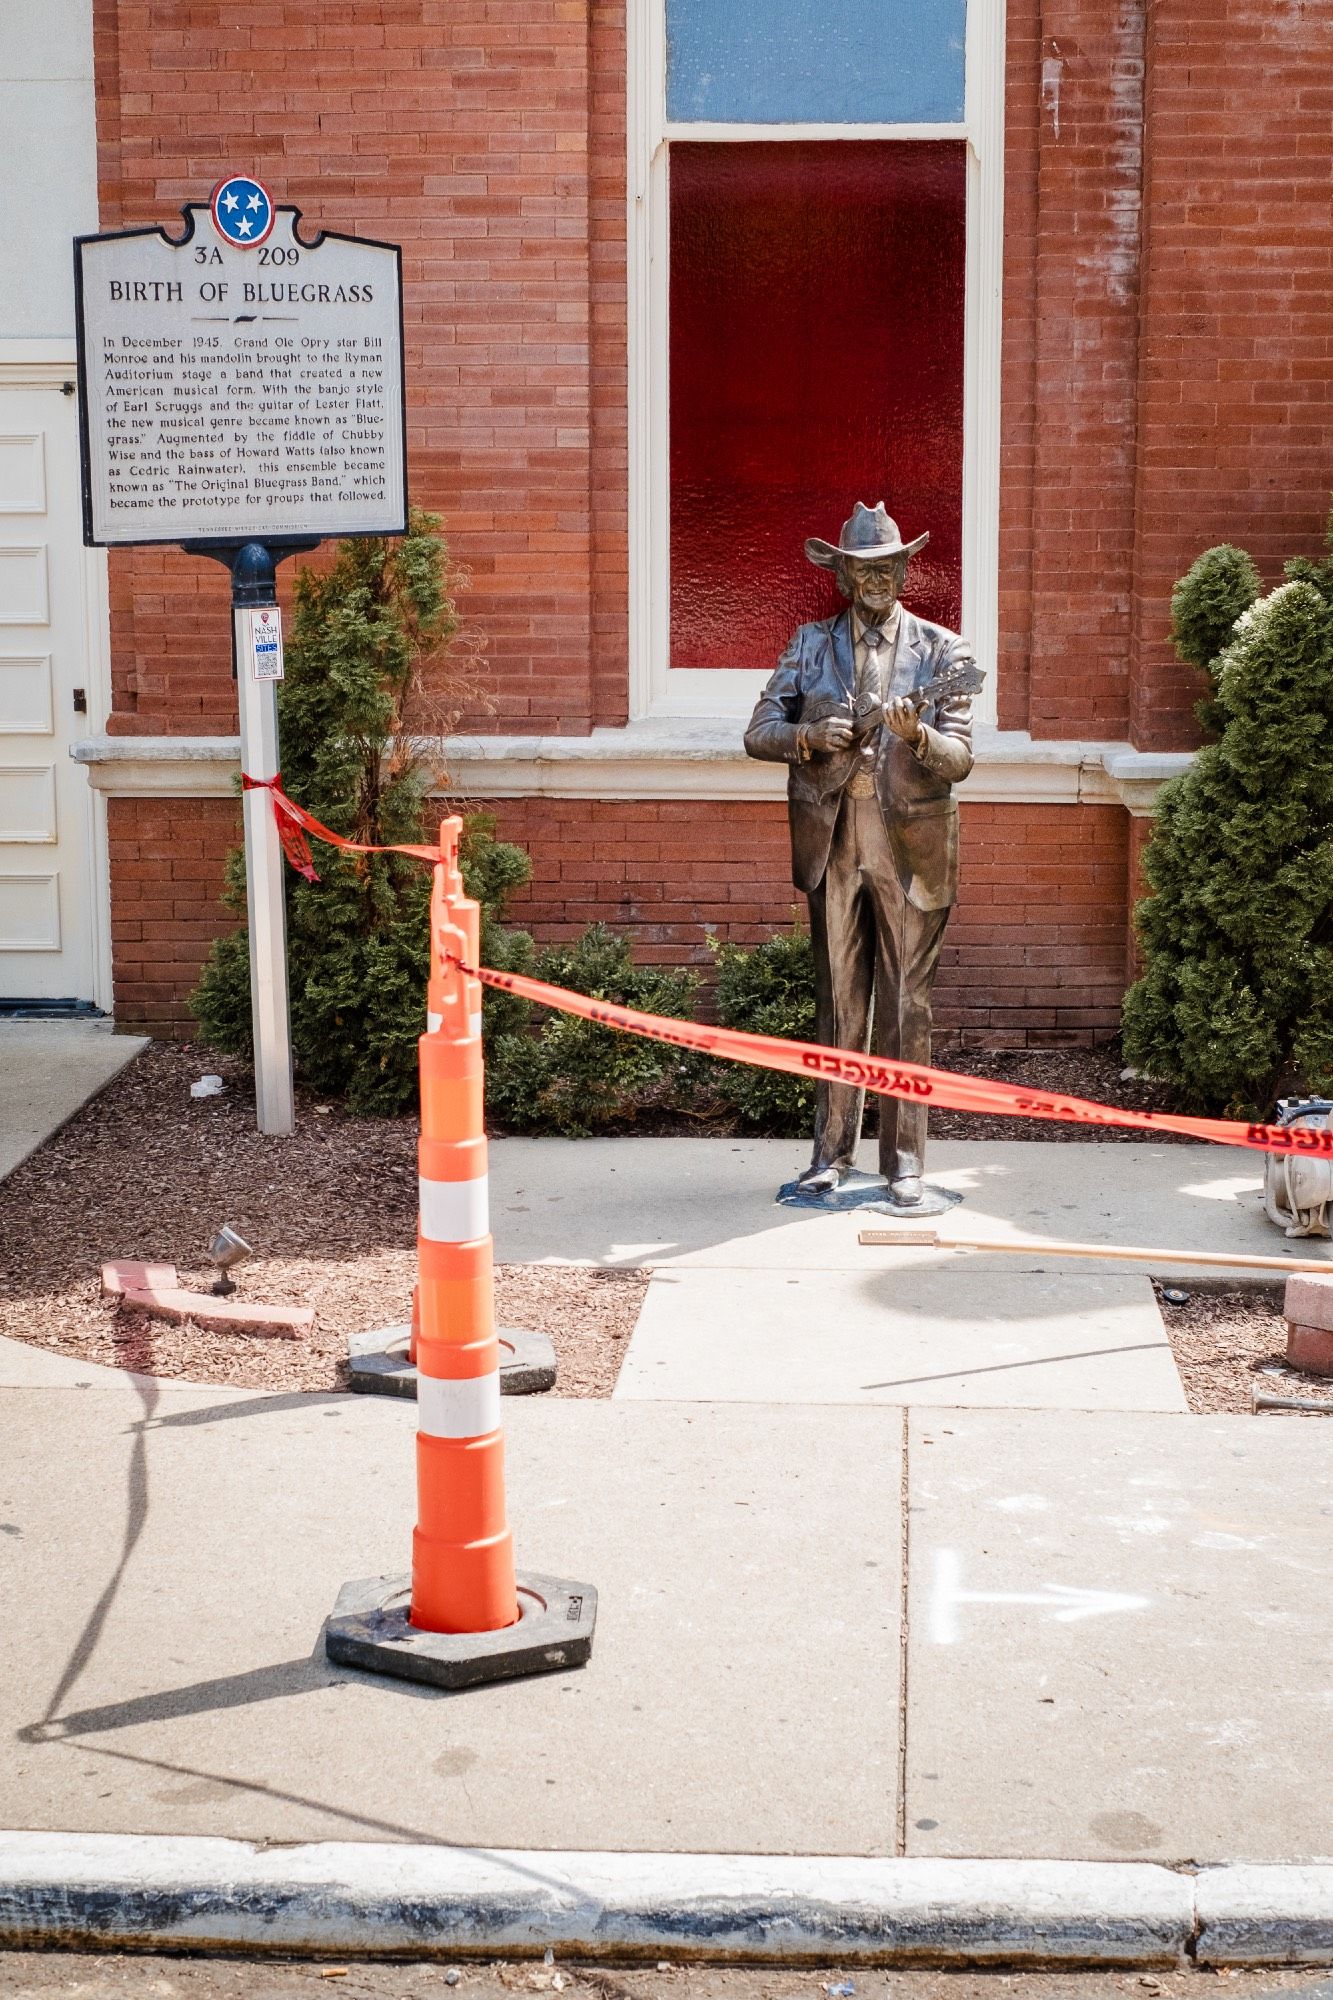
column 156, row 1890
column 1265, row 1915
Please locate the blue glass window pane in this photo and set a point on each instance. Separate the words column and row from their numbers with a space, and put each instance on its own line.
column 808, row 62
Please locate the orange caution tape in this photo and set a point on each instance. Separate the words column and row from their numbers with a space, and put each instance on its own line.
column 945, row 1088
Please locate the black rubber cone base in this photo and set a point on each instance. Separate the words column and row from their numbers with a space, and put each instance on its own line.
column 377, row 1363
column 369, row 1629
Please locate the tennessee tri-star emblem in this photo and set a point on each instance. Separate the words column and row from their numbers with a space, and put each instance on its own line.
column 242, row 211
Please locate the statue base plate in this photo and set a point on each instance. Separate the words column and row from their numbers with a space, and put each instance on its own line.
column 870, row 1191
column 934, row 1201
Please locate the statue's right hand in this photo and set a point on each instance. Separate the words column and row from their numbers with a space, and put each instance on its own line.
column 833, row 732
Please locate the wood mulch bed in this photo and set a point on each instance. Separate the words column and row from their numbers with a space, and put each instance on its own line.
column 1229, row 1344
column 1096, row 1074
column 146, row 1171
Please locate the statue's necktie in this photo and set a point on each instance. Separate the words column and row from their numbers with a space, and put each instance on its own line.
column 862, row 783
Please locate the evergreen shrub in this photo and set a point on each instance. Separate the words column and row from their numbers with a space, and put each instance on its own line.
column 353, row 713
column 1221, row 584
column 769, row 990
column 561, row 1074
column 1235, row 1006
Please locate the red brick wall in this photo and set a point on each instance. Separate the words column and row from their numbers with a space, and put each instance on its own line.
column 1168, row 328
column 1168, row 331
column 1236, row 355
column 461, row 131
column 608, row 470
column 1035, row 955
column 1073, row 163
column 1136, row 888
column 1168, row 316
column 1075, row 147
column 166, row 880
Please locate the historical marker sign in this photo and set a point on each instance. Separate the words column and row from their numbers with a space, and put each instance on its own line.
column 238, row 383
column 243, row 395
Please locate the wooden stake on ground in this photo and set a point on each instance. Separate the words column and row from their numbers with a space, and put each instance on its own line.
column 1027, row 1246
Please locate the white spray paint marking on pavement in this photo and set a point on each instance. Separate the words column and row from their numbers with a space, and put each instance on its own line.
column 1063, row 1603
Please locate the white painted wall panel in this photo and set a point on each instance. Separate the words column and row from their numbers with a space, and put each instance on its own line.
column 29, row 912
column 25, row 694
column 22, row 473
column 28, row 803
column 23, row 593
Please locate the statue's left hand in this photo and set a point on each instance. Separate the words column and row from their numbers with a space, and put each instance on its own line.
column 902, row 718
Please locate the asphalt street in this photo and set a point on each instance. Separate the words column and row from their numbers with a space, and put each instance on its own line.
column 115, row 1976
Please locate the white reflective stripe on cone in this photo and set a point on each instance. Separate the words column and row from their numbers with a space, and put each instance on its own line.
column 434, row 1022
column 454, row 1211
column 467, row 1409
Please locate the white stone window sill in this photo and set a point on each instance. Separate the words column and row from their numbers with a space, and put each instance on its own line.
column 665, row 758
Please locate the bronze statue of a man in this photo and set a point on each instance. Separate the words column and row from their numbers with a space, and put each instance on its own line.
column 872, row 710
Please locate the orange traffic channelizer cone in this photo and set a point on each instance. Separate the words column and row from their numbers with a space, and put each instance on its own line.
column 384, row 1362
column 464, row 1616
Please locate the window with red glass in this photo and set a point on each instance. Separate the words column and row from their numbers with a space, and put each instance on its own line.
column 816, row 359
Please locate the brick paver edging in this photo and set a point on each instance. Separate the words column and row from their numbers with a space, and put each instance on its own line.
column 345, row 1897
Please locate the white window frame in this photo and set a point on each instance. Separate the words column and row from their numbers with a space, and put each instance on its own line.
column 655, row 687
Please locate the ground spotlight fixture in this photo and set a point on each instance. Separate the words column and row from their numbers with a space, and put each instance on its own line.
column 226, row 1250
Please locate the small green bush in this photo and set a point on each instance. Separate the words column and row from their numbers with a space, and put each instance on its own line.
column 568, row 1076
column 769, row 990
column 1235, row 1006
column 1205, row 605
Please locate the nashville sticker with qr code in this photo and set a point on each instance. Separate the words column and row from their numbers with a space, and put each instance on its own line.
column 266, row 643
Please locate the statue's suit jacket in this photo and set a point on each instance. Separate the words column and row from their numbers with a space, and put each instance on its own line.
column 816, row 677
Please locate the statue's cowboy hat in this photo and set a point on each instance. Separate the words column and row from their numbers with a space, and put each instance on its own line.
column 868, row 533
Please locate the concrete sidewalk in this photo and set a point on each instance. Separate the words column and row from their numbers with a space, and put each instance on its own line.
column 751, row 1302
column 1115, row 1644
column 1029, row 1655
column 709, row 1203
column 48, row 1069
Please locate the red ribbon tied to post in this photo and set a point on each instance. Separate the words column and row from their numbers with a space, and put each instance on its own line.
column 294, row 823
column 294, row 843
column 888, row 1078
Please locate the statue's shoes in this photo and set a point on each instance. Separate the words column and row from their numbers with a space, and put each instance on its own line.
column 822, row 1182
column 908, row 1191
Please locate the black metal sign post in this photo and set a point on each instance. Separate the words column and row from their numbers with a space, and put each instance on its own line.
column 242, row 397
